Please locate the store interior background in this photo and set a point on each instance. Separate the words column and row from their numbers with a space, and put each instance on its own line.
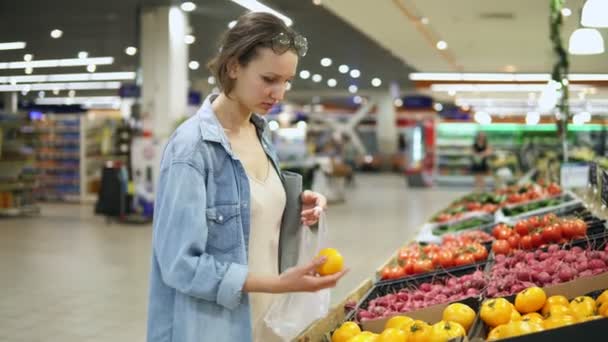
column 380, row 118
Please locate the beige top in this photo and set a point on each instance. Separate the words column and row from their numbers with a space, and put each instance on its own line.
column 267, row 206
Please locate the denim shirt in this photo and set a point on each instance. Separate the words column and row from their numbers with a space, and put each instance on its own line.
column 201, row 234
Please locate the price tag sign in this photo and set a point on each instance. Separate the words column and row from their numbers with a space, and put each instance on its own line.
column 574, row 175
column 593, row 174
column 604, row 192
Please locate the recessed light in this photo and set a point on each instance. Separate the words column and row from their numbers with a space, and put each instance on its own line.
column 91, row 68
column 56, row 33
column 332, row 82
column 317, row 78
column 193, row 65
column 232, row 24
column 376, row 82
column 189, row 39
column 72, row 93
column 131, row 50
column 438, row 107
column 29, row 70
column 304, row 74
column 343, row 69
column 188, row 6
column 28, row 57
column 317, row 2
column 211, row 80
column 353, row 88
column 355, row 73
column 83, row 54
column 357, row 99
column 442, row 45
column 398, row 102
column 566, row 12
column 452, row 92
column 326, row 62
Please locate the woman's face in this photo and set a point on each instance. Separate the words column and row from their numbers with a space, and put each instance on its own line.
column 263, row 82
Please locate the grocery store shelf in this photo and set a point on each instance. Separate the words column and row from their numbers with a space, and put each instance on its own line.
column 24, row 210
column 12, row 186
column 459, row 180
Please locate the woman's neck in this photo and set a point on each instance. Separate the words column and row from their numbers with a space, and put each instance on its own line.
column 232, row 115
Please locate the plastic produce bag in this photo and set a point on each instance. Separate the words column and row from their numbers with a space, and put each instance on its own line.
column 291, row 313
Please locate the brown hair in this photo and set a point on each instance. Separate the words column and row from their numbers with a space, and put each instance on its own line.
column 240, row 43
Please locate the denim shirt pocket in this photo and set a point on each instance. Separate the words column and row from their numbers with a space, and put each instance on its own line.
column 223, row 227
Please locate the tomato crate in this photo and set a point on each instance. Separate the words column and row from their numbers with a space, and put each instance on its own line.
column 475, row 222
column 540, row 206
column 579, row 259
column 594, row 330
column 578, row 210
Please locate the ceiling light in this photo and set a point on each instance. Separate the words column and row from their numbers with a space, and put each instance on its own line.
column 188, row 6
column 376, row 82
column 28, row 57
column 452, row 92
column 232, row 24
column 12, row 46
column 357, row 99
column 91, row 68
column 273, row 125
column 355, row 73
column 317, row 78
column 424, row 20
column 438, row 107
column 398, row 102
column 483, row 118
column 586, row 41
column 189, row 39
column 72, row 93
column 532, row 118
column 211, row 80
column 56, row 33
column 53, row 63
column 304, row 74
column 343, row 69
column 131, row 50
column 41, row 94
column 594, row 13
column 255, row 6
column 332, row 82
column 317, row 2
column 288, row 86
column 193, row 65
column 61, row 86
column 326, row 62
column 29, row 70
column 352, row 88
column 442, row 45
column 83, row 54
column 100, row 76
column 55, row 91
column 566, row 12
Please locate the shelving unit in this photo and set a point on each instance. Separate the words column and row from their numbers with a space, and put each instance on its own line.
column 68, row 156
column 17, row 173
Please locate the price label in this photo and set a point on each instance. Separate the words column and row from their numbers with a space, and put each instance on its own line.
column 604, row 192
column 593, row 174
column 574, row 175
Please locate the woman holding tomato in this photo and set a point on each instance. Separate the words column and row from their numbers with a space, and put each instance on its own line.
column 220, row 237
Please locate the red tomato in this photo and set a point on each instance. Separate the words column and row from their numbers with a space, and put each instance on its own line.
column 553, row 233
column 431, row 248
column 526, row 242
column 568, row 229
column 504, row 234
column 537, row 239
column 445, row 258
column 501, row 247
column 444, row 217
column 408, row 266
column 580, row 227
column 489, row 208
column 464, row 259
column 386, row 273
column 521, row 228
column 514, row 241
column 554, row 189
column 501, row 230
column 480, row 253
column 423, row 266
column 396, row 272
column 473, row 206
column 534, row 222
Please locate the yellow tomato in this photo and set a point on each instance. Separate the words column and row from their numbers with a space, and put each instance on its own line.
column 532, row 317
column 345, row 332
column 333, row 264
column 392, row 335
column 559, row 310
column 515, row 315
column 365, row 336
column 419, row 331
column 554, row 300
column 603, row 297
column 459, row 313
column 582, row 307
column 530, row 300
column 603, row 309
column 444, row 331
column 519, row 328
column 495, row 312
column 398, row 322
column 591, row 318
column 497, row 333
column 558, row 321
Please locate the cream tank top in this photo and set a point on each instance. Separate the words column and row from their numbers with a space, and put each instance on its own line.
column 267, row 206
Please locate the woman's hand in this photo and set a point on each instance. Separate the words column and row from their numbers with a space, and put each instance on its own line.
column 313, row 204
column 304, row 278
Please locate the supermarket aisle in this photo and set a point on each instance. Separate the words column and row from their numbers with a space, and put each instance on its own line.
column 67, row 276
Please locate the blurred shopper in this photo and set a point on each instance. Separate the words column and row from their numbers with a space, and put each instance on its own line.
column 480, row 166
column 221, row 200
column 350, row 155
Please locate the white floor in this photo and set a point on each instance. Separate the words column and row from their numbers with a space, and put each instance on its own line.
column 67, row 275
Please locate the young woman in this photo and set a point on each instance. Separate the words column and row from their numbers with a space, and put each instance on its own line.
column 221, row 200
column 481, row 153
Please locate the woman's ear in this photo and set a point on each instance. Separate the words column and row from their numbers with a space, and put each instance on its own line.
column 233, row 68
